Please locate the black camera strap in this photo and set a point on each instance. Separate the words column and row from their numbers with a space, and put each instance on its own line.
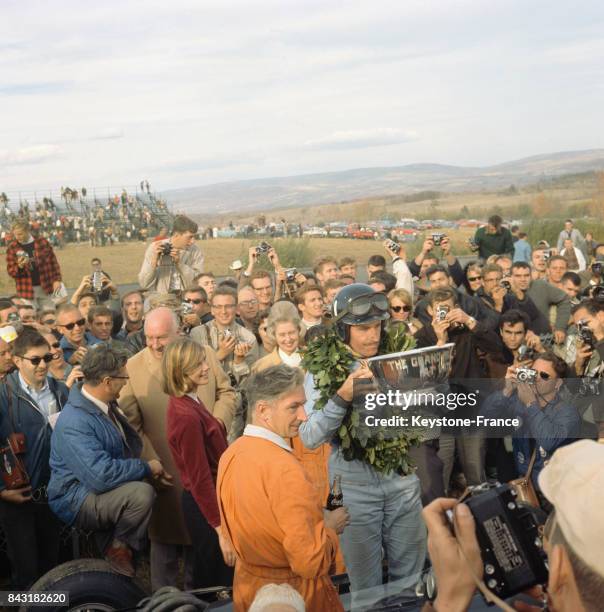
column 9, row 401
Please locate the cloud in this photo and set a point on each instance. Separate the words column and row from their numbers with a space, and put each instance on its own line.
column 110, row 133
column 35, row 89
column 29, row 155
column 361, row 139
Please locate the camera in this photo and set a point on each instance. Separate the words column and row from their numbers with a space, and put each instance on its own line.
column 290, row 275
column 526, row 375
column 166, row 248
column 22, row 254
column 546, row 254
column 505, row 284
column 437, row 238
column 97, row 281
column 585, row 334
column 263, row 247
column 441, row 312
column 597, row 267
column 227, row 334
column 525, row 353
column 395, row 247
column 598, row 293
column 473, row 244
column 186, row 308
column 509, row 535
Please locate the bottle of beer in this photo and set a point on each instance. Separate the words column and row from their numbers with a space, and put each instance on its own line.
column 335, row 499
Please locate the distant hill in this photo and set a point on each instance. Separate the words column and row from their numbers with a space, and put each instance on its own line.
column 309, row 189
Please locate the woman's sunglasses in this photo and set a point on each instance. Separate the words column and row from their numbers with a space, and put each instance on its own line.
column 473, row 279
column 404, row 308
column 35, row 361
column 70, row 326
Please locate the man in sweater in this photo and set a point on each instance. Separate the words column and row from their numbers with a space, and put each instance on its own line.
column 572, row 233
column 493, row 239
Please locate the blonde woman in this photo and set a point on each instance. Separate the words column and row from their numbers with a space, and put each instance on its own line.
column 401, row 310
column 197, row 441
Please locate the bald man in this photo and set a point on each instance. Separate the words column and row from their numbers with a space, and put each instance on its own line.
column 145, row 404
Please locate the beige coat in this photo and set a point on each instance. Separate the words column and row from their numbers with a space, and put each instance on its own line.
column 145, row 405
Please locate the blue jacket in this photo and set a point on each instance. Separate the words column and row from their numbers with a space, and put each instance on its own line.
column 32, row 422
column 88, row 455
column 522, row 251
column 69, row 349
column 556, row 424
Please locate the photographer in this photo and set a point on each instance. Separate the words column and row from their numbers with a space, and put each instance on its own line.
column 549, row 420
column 400, row 269
column 493, row 239
column 170, row 265
column 594, row 275
column 427, row 257
column 198, row 309
column 450, row 323
column 572, row 480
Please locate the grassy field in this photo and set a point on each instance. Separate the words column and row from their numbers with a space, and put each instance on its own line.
column 122, row 261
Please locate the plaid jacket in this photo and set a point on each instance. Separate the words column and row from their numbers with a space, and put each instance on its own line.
column 46, row 262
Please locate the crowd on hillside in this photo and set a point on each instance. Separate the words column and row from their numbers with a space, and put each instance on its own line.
column 210, row 421
column 121, row 218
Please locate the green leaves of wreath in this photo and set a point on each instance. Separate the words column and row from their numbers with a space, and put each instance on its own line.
column 329, row 360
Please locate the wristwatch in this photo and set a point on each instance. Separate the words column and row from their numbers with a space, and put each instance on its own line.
column 471, row 322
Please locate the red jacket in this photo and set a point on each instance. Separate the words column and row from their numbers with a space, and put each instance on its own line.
column 197, row 441
column 46, row 262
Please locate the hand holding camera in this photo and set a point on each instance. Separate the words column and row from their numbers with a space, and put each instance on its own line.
column 241, row 350
column 226, row 345
column 393, row 248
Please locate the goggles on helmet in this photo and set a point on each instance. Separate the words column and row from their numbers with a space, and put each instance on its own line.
column 362, row 305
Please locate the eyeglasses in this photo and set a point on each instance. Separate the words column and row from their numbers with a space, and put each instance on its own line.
column 121, row 377
column 404, row 308
column 224, row 307
column 48, row 321
column 473, row 279
column 196, row 302
column 35, row 361
column 248, row 303
column 70, row 326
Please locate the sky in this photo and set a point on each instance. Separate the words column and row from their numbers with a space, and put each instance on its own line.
column 193, row 92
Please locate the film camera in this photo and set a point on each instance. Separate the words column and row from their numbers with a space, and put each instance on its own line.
column 526, row 375
column 263, row 248
column 166, row 248
column 547, row 253
column 438, row 237
column 505, row 284
column 441, row 312
column 585, row 334
column 525, row 353
column 509, row 536
column 395, row 247
column 597, row 267
column 186, row 308
column 290, row 275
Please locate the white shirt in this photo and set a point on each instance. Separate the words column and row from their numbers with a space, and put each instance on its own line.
column 104, row 408
column 194, row 397
column 293, row 360
column 309, row 324
column 266, row 434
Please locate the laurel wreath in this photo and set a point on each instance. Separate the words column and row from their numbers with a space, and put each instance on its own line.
column 329, row 360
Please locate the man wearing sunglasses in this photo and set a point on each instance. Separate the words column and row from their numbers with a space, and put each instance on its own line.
column 549, row 418
column 384, row 508
column 197, row 299
column 75, row 341
column 30, row 400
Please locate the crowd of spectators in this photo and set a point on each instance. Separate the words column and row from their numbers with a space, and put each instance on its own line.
column 178, row 415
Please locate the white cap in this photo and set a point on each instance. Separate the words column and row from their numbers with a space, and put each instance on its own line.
column 236, row 265
column 8, row 333
column 573, row 481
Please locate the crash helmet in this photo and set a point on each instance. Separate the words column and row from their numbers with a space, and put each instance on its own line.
column 357, row 304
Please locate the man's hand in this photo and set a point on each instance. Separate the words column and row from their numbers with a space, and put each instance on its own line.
column 337, row 519
column 157, row 469
column 427, row 246
column 458, row 316
column 160, row 477
column 273, row 258
column 175, row 254
column 300, row 279
column 226, row 546
column 533, row 341
column 445, row 245
column 75, row 375
column 281, row 278
column 78, row 355
column 192, row 320
column 346, row 391
column 441, row 330
column 559, row 336
column 510, row 381
column 225, row 347
column 582, row 357
column 526, row 393
column 56, row 285
column 452, row 568
column 22, row 262
column 401, row 253
column 241, row 350
column 108, row 284
column 498, row 294
column 157, row 252
column 16, row 496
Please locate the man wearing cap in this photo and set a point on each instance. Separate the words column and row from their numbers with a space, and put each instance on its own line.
column 385, row 508
column 573, row 482
column 237, row 268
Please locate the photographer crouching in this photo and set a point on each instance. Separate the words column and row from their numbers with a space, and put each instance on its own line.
column 572, row 482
